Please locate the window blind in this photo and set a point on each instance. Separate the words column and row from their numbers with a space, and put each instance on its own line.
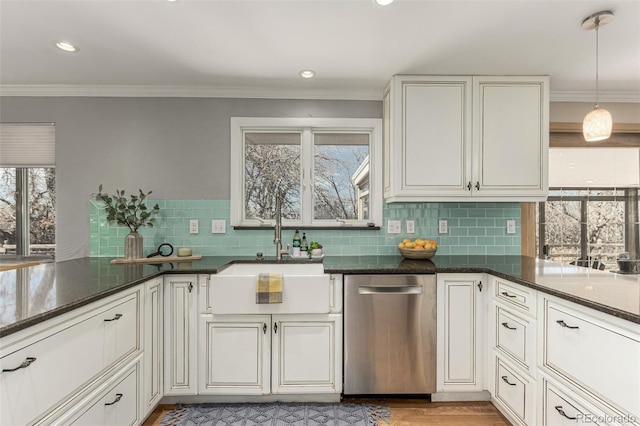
column 27, row 145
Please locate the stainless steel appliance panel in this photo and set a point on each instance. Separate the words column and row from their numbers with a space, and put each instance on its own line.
column 390, row 334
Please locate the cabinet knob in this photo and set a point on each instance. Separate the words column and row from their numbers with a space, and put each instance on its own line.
column 469, row 186
column 264, row 328
column 275, row 327
column 190, row 287
column 480, row 286
column 478, row 186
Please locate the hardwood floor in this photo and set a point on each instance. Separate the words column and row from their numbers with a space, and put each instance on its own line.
column 413, row 412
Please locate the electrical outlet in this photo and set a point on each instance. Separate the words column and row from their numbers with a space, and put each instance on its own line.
column 442, row 226
column 511, row 226
column 394, row 226
column 218, row 226
column 193, row 226
column 411, row 226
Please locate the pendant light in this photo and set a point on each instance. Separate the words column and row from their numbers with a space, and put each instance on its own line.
column 597, row 123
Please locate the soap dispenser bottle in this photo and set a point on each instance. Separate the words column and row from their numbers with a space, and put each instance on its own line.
column 296, row 244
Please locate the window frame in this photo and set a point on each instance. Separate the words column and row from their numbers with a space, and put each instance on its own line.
column 239, row 125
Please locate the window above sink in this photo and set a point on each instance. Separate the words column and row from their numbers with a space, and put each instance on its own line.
column 328, row 170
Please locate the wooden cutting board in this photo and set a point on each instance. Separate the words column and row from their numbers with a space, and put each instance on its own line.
column 157, row 259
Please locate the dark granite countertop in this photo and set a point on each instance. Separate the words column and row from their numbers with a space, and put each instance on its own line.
column 33, row 294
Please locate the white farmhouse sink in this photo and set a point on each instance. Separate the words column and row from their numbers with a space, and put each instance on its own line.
column 283, row 268
column 306, row 289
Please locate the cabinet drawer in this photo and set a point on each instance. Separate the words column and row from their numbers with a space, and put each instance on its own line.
column 519, row 297
column 67, row 360
column 515, row 336
column 116, row 406
column 514, row 391
column 598, row 356
column 560, row 409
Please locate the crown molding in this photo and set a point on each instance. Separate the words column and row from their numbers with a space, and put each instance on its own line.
column 71, row 90
column 626, row 96
column 61, row 90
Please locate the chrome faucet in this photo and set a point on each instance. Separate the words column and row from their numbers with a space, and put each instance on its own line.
column 277, row 238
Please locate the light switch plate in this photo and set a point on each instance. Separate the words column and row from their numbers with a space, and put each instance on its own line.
column 193, row 226
column 511, row 226
column 442, row 226
column 411, row 226
column 218, row 226
column 394, row 226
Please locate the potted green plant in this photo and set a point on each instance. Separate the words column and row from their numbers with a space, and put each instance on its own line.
column 131, row 212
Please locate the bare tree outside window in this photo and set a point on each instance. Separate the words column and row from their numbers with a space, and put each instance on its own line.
column 40, row 190
column 583, row 226
column 337, row 157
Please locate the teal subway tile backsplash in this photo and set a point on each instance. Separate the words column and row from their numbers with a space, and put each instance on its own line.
column 474, row 228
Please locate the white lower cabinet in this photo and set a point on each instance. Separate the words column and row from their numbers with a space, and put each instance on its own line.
column 180, row 334
column 49, row 368
column 114, row 404
column 560, row 406
column 514, row 393
column 595, row 355
column 264, row 354
column 235, row 354
column 153, row 345
column 307, row 354
column 460, row 333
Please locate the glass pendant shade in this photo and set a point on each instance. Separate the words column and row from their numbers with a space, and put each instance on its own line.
column 597, row 125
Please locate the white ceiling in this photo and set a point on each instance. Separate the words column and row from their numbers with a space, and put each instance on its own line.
column 256, row 48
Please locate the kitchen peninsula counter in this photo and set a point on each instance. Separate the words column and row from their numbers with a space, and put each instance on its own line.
column 33, row 294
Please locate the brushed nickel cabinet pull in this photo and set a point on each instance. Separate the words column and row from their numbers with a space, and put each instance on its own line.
column 118, row 398
column 504, row 379
column 27, row 362
column 564, row 324
column 506, row 325
column 115, row 318
column 561, row 411
column 504, row 293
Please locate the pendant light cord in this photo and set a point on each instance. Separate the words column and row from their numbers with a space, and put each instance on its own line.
column 597, row 23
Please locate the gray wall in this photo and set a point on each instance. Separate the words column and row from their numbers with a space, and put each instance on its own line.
column 177, row 147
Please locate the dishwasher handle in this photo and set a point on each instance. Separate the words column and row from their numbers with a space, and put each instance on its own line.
column 405, row 289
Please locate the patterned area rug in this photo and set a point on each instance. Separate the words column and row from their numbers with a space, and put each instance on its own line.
column 277, row 414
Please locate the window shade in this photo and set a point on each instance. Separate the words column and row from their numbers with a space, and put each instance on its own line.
column 27, row 145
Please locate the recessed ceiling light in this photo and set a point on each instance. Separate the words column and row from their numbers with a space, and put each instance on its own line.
column 307, row 73
column 384, row 2
column 66, row 46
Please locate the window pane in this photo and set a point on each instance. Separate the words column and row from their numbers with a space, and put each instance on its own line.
column 340, row 176
column 562, row 230
column 42, row 213
column 605, row 231
column 7, row 210
column 272, row 164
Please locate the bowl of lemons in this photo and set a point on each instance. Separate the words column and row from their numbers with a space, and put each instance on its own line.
column 420, row 248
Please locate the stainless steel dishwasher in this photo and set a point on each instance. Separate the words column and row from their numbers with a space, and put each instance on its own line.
column 389, row 334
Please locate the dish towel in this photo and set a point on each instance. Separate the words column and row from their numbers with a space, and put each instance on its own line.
column 269, row 288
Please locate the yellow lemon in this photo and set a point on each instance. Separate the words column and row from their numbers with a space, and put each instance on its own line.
column 409, row 245
column 401, row 245
column 406, row 240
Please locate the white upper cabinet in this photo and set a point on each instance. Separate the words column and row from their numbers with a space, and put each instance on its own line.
column 461, row 137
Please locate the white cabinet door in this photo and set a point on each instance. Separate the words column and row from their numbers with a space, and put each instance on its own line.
column 452, row 138
column 460, row 347
column 180, row 334
column 306, row 354
column 429, row 139
column 153, row 344
column 510, row 136
column 235, row 354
